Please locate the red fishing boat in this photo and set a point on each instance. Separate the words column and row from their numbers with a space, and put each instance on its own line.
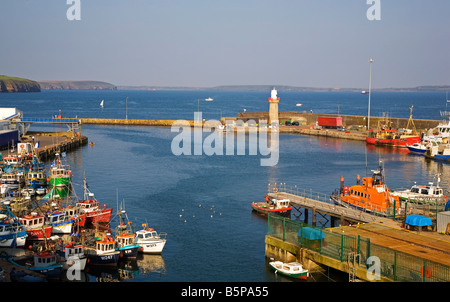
column 95, row 212
column 35, row 226
column 276, row 206
column 386, row 136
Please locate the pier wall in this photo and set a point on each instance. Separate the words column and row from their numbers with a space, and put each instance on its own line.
column 307, row 118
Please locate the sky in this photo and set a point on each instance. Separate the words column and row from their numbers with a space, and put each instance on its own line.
column 207, row 43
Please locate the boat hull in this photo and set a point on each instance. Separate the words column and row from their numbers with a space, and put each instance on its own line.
column 398, row 142
column 263, row 209
column 13, row 240
column 277, row 267
column 60, row 181
column 39, row 234
column 102, row 216
column 152, row 247
column 109, row 259
column 129, row 252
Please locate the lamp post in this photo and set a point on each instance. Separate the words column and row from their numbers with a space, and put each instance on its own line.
column 370, row 88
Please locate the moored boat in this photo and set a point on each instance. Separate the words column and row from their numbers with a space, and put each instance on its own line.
column 60, row 223
column 45, row 263
column 60, row 175
column 289, row 269
column 12, row 232
column 372, row 195
column 103, row 253
column 276, row 206
column 423, row 194
column 150, row 241
column 35, row 226
column 73, row 256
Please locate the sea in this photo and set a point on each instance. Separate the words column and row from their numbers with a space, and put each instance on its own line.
column 203, row 202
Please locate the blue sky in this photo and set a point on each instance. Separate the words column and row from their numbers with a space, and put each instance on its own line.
column 320, row 43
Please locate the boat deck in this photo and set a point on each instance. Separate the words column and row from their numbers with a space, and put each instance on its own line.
column 427, row 245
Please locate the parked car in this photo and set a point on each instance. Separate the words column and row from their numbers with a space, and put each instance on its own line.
column 296, row 123
column 287, row 123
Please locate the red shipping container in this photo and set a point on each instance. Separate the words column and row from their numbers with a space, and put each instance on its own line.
column 330, row 121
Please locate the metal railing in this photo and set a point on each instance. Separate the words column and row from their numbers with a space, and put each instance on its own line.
column 394, row 265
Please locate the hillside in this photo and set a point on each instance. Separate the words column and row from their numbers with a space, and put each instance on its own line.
column 12, row 84
column 76, row 85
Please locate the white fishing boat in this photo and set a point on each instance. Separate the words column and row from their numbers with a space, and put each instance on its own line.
column 298, row 104
column 73, row 256
column 423, row 194
column 150, row 241
column 290, row 269
column 209, row 99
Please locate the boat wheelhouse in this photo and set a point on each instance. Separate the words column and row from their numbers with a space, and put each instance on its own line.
column 60, row 175
column 73, row 256
column 104, row 252
column 45, row 262
column 60, row 223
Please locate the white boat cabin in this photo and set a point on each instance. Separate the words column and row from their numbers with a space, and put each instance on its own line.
column 429, row 190
column 32, row 221
column 44, row 259
column 280, row 203
column 56, row 217
column 60, row 172
column 124, row 240
column 73, row 250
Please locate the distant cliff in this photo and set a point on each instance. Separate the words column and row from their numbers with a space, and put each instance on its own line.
column 76, row 85
column 12, row 84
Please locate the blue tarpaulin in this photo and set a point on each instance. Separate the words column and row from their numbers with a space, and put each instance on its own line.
column 418, row 220
column 311, row 233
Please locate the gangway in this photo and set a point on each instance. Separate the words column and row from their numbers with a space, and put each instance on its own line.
column 73, row 124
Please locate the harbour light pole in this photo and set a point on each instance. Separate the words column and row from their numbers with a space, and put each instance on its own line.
column 370, row 88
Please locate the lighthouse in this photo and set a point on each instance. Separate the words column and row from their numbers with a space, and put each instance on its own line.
column 273, row 106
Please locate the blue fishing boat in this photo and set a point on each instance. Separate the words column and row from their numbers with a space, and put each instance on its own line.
column 125, row 236
column 103, row 253
column 12, row 232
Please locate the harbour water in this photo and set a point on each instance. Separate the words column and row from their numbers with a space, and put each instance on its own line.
column 203, row 202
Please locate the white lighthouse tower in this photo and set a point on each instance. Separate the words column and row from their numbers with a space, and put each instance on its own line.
column 273, row 106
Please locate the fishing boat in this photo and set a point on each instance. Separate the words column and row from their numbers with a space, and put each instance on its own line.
column 95, row 212
column 103, row 253
column 209, row 99
column 290, row 269
column 371, row 196
column 150, row 241
column 36, row 179
column 35, row 226
column 417, row 148
column 60, row 175
column 386, row 136
column 60, row 223
column 12, row 232
column 11, row 181
column 298, row 104
column 45, row 262
column 438, row 152
column 125, row 237
column 276, row 206
column 73, row 256
column 74, row 213
column 423, row 194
